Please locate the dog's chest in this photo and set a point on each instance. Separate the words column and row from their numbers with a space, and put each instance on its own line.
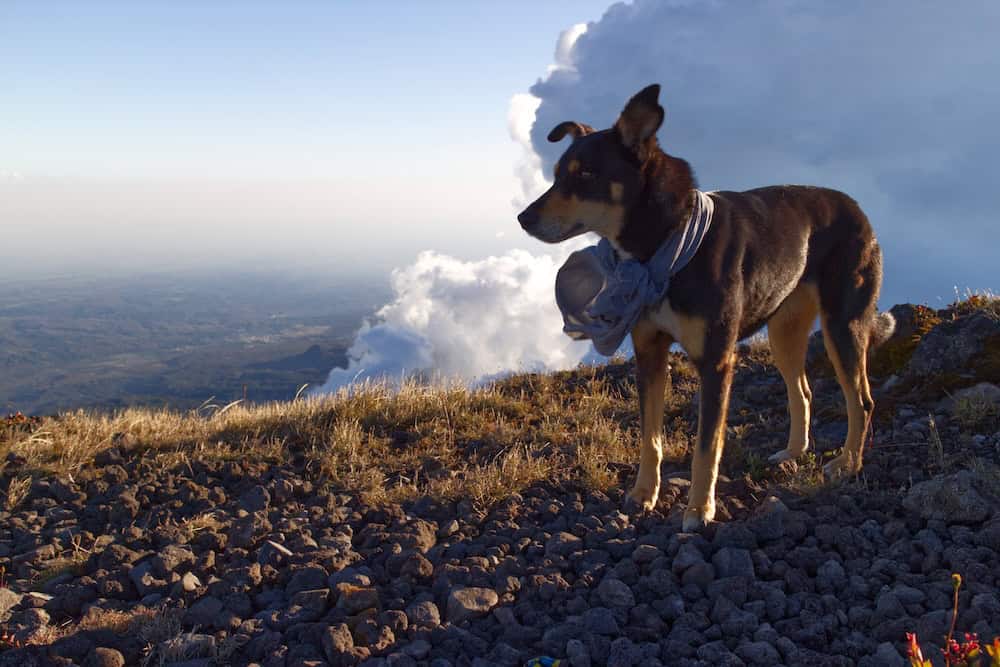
column 688, row 330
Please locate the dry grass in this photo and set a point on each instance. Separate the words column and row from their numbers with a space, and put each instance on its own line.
column 17, row 491
column 445, row 441
column 975, row 412
column 984, row 301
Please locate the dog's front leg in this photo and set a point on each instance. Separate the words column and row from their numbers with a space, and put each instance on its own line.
column 716, row 378
column 651, row 349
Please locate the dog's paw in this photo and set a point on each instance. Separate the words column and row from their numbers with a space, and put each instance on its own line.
column 696, row 518
column 842, row 466
column 642, row 498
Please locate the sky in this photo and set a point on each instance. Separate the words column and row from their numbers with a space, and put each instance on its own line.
column 321, row 134
column 354, row 136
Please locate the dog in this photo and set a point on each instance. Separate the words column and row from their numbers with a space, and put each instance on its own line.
column 777, row 256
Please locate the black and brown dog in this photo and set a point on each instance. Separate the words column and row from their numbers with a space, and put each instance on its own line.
column 776, row 256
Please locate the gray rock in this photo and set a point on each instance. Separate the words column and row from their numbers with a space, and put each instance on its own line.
column 758, row 653
column 615, row 593
column 144, row 580
column 716, row 653
column 304, row 607
column 601, row 621
column 172, row 558
column 8, row 600
column 338, row 645
column 830, row 577
column 423, row 614
column 354, row 599
column 733, row 562
column 768, row 519
column 104, row 657
column 987, row 604
column 556, row 637
column 624, row 653
column 951, row 347
column 256, row 499
column 504, row 655
column 418, row 649
column 646, row 553
column 468, row 603
column 687, row 556
column 735, row 534
column 701, row 575
column 204, row 612
column 887, row 607
column 885, row 655
column 577, row 653
column 417, row 534
column 954, row 499
column 307, row 578
column 563, row 544
column 909, row 595
column 448, row 528
column 190, row 582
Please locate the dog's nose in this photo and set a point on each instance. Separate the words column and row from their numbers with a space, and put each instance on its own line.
column 527, row 217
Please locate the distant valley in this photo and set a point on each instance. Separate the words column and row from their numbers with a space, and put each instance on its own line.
column 175, row 341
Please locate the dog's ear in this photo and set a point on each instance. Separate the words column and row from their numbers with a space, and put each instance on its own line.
column 570, row 127
column 640, row 119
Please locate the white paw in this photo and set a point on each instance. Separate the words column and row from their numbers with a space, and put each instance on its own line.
column 842, row 466
column 696, row 518
column 643, row 498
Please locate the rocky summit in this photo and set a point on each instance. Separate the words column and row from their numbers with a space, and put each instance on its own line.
column 452, row 527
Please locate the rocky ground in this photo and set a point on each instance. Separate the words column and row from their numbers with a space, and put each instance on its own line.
column 242, row 561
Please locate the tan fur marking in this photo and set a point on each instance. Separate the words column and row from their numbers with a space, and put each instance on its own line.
column 689, row 331
column 573, row 166
column 617, row 192
column 788, row 332
column 651, row 349
column 705, row 464
column 596, row 216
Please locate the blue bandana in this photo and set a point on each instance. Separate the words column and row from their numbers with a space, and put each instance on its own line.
column 602, row 296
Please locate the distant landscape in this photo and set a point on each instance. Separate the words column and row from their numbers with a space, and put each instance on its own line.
column 176, row 341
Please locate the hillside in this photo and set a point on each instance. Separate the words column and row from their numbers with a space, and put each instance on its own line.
column 443, row 526
column 110, row 342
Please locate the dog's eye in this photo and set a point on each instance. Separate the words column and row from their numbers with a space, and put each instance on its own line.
column 588, row 175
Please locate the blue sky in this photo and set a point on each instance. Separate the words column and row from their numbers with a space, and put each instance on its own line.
column 377, row 124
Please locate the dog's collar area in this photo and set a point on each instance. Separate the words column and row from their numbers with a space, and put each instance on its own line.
column 602, row 295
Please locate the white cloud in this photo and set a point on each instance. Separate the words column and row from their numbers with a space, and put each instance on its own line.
column 465, row 320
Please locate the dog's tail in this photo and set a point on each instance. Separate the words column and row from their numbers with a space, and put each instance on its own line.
column 883, row 327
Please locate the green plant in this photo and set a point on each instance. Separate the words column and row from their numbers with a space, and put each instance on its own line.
column 974, row 411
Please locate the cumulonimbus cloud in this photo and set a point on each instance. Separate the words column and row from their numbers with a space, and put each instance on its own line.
column 464, row 320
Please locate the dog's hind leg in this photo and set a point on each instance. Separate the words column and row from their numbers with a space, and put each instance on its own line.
column 716, row 373
column 651, row 349
column 788, row 332
column 848, row 319
column 847, row 349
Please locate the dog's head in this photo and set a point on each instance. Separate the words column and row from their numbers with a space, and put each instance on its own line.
column 599, row 178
